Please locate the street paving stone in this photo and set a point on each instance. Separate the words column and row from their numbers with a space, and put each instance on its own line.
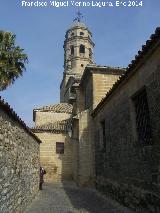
column 68, row 198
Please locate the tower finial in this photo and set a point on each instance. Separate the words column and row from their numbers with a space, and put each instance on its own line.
column 79, row 16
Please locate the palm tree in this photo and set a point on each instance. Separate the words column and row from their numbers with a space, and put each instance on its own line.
column 12, row 60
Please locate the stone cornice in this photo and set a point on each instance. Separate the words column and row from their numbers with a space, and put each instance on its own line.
column 78, row 38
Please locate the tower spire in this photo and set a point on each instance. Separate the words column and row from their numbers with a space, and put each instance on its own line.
column 79, row 16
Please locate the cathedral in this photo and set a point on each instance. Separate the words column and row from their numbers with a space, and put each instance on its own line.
column 66, row 151
column 105, row 130
column 104, row 133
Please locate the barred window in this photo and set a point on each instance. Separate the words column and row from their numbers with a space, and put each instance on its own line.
column 142, row 117
column 59, row 148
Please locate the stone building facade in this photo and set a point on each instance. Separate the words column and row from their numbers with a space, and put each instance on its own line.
column 19, row 162
column 52, row 124
column 127, row 133
column 96, row 80
column 111, row 134
column 75, row 133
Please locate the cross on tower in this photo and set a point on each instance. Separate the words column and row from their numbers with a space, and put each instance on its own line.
column 79, row 16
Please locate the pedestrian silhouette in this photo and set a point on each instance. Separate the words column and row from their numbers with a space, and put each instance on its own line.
column 42, row 173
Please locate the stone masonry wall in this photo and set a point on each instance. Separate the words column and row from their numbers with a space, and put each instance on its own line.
column 75, row 141
column 126, row 160
column 101, row 85
column 58, row 166
column 85, row 164
column 19, row 164
column 87, row 93
column 96, row 85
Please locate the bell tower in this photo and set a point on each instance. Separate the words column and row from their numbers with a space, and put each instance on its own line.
column 78, row 52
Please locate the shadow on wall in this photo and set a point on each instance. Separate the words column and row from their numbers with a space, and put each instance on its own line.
column 69, row 157
column 66, row 160
column 81, row 198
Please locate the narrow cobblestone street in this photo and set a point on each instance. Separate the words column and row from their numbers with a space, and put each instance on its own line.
column 68, row 198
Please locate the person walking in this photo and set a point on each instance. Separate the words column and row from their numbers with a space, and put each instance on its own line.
column 42, row 173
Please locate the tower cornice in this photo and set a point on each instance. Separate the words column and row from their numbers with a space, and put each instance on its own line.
column 78, row 38
column 76, row 28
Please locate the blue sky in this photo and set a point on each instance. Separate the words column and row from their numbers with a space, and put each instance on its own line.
column 118, row 33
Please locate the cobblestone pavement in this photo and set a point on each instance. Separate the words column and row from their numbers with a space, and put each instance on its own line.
column 68, row 198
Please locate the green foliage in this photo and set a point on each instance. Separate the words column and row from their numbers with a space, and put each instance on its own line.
column 12, row 60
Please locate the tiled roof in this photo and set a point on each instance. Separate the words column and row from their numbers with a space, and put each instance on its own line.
column 60, row 108
column 145, row 49
column 12, row 114
column 57, row 127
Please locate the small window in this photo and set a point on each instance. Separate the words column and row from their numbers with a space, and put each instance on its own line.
column 72, row 50
column 90, row 53
column 59, row 148
column 103, row 130
column 82, row 65
column 72, row 34
column 82, row 48
column 81, row 33
column 142, row 117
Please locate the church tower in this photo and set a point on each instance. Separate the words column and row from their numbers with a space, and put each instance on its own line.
column 78, row 52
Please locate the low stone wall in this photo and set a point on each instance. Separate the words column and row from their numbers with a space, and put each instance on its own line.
column 138, row 199
column 19, row 162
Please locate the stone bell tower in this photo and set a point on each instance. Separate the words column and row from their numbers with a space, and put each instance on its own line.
column 78, row 52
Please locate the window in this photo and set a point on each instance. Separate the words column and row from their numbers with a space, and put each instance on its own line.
column 81, row 33
column 82, row 48
column 72, row 34
column 72, row 50
column 59, row 148
column 142, row 117
column 90, row 53
column 103, row 130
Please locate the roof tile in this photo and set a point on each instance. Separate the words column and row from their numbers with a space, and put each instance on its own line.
column 59, row 108
column 57, row 127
